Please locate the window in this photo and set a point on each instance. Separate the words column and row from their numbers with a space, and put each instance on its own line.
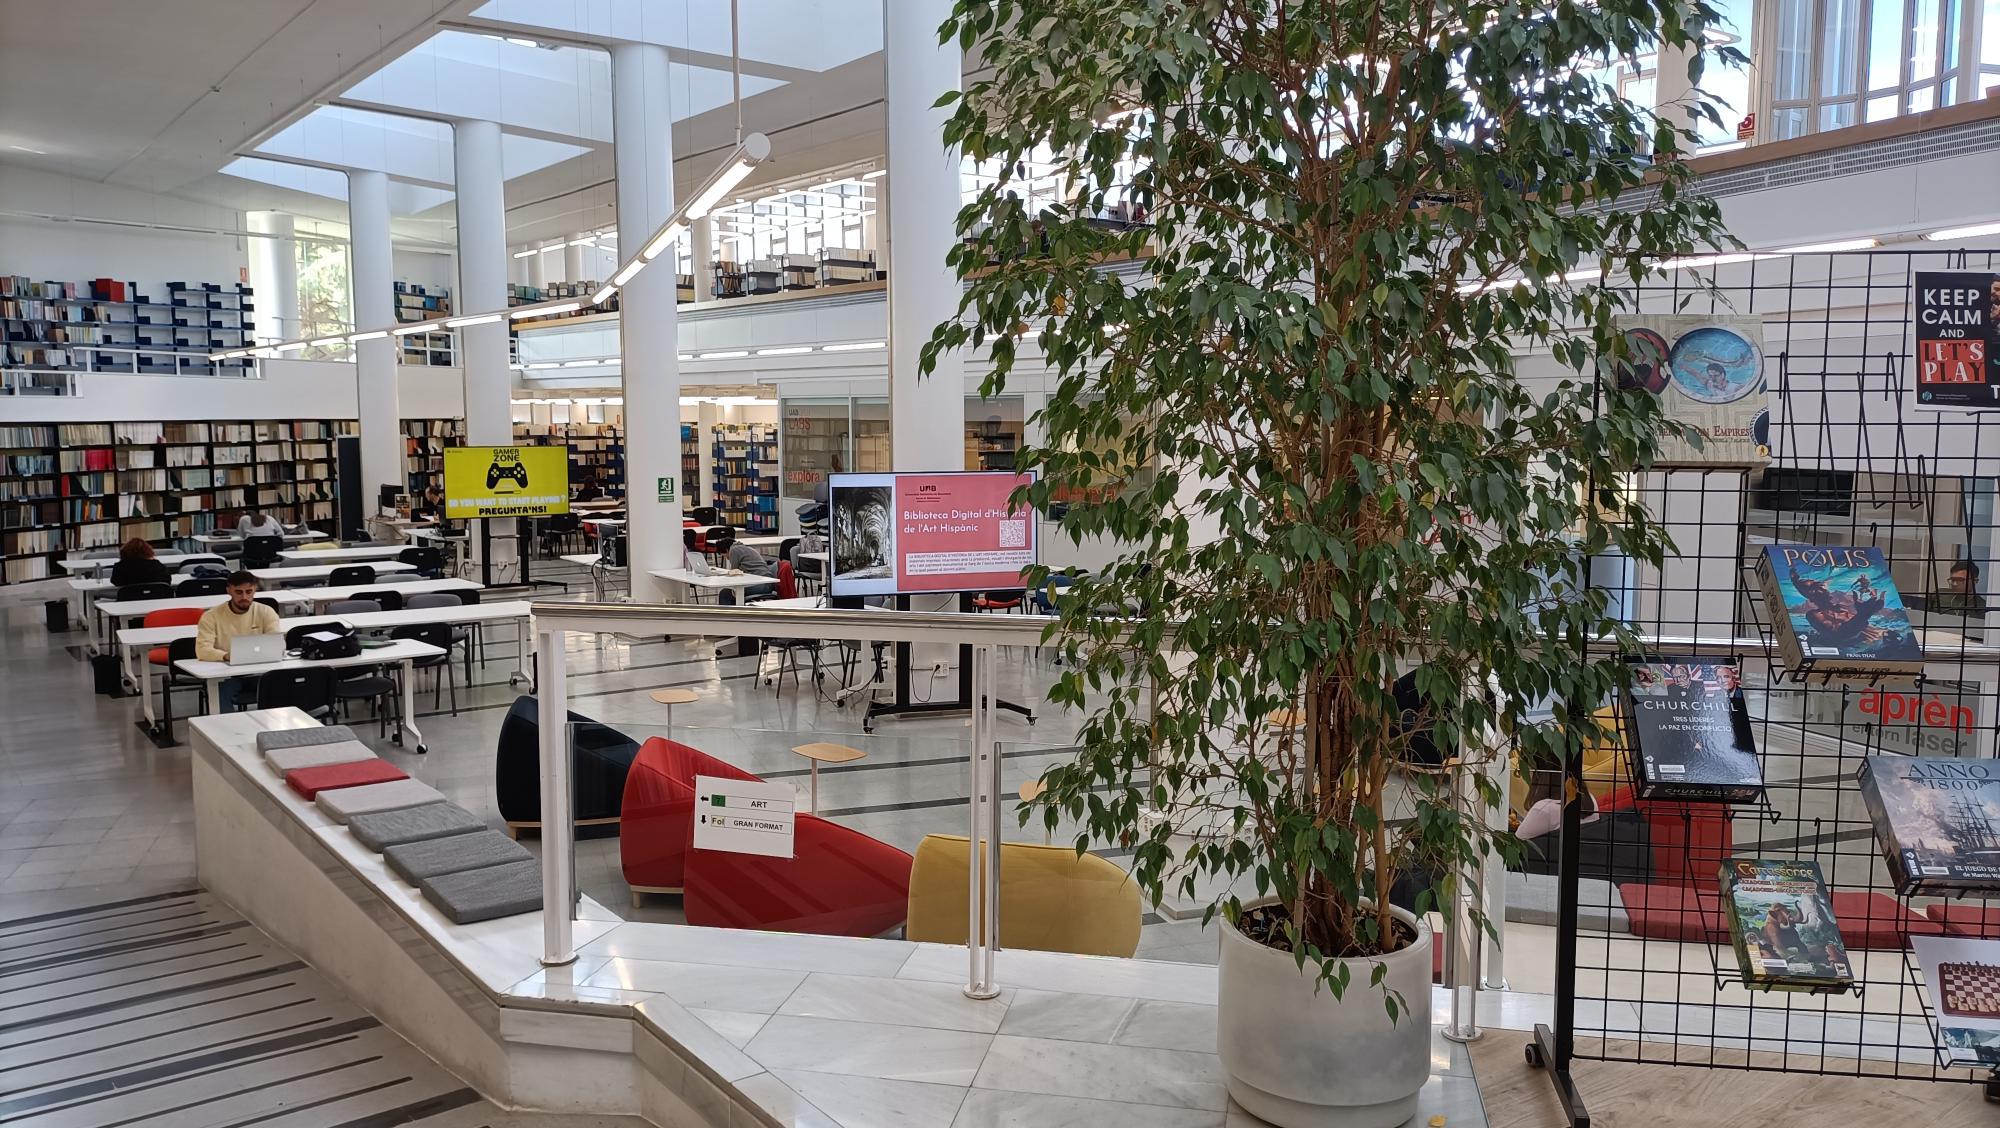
column 1836, row 63
column 324, row 298
column 800, row 221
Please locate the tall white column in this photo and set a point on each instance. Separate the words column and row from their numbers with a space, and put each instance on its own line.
column 701, row 247
column 573, row 264
column 535, row 276
column 274, row 277
column 642, row 138
column 482, row 280
column 926, row 413
column 372, row 271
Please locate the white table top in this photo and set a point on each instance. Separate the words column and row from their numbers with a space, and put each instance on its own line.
column 343, row 555
column 134, row 608
column 365, row 620
column 683, row 576
column 432, row 532
column 590, row 560
column 412, row 587
column 822, row 557
column 303, row 572
column 604, row 505
column 170, row 559
column 401, row 650
column 795, row 603
column 405, row 522
column 614, row 522
column 230, row 536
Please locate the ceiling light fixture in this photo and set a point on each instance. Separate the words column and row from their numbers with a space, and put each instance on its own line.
column 585, row 363
column 852, row 346
column 1972, row 231
column 322, row 342
column 727, row 354
column 288, row 346
column 627, row 272
column 753, row 151
column 876, row 173
column 603, row 295
column 668, row 236
column 521, row 41
column 371, row 335
column 541, row 364
column 1829, row 248
column 545, row 310
column 416, row 327
column 474, row 319
column 585, row 241
column 792, row 351
column 531, row 252
column 686, row 356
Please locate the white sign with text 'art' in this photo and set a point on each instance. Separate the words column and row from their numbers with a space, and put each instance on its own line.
column 743, row 816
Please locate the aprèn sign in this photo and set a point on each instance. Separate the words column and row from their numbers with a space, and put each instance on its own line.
column 1913, row 723
column 1958, row 340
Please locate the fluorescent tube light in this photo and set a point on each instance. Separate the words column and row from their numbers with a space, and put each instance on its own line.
column 288, row 346
column 546, row 311
column 662, row 241
column 727, row 354
column 371, row 335
column 852, row 346
column 754, row 150
column 602, row 296
column 792, row 351
column 1972, row 231
column 475, row 319
column 325, row 341
column 583, row 364
column 414, row 327
column 1828, row 248
column 876, row 173
column 520, row 41
column 541, row 364
column 628, row 271
column 686, row 356
column 531, row 252
column 585, row 241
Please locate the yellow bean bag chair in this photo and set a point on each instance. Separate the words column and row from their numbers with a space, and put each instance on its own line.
column 1606, row 765
column 1051, row 900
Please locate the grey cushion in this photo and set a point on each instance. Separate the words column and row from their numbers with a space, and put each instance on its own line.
column 344, row 803
column 415, row 861
column 302, row 737
column 317, row 755
column 483, row 894
column 384, row 829
column 1533, row 898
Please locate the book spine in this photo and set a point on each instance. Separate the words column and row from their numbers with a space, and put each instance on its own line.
column 1781, row 616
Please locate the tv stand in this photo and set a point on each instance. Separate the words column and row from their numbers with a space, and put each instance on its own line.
column 902, row 706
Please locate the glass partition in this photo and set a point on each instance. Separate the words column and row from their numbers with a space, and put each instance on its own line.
column 812, row 442
column 871, row 435
column 993, row 431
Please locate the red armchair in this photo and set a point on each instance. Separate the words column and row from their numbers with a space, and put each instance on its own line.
column 1688, row 840
column 839, row 881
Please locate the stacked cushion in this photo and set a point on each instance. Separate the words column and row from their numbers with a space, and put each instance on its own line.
column 303, row 737
column 485, row 894
column 343, row 803
column 382, row 829
column 415, row 862
column 309, row 782
column 291, row 759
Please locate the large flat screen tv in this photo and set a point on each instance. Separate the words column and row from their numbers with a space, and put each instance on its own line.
column 904, row 534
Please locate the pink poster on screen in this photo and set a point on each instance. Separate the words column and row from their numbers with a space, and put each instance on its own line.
column 955, row 532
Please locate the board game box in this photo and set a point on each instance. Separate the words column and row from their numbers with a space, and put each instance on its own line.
column 1962, row 976
column 1836, row 613
column 1937, row 819
column 1781, row 924
column 1691, row 733
column 1707, row 373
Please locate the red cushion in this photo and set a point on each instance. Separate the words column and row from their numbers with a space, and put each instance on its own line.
column 157, row 655
column 839, row 883
column 309, row 782
column 1967, row 918
column 656, row 815
column 1672, row 912
column 1874, row 920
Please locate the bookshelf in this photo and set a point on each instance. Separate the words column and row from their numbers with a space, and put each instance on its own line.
column 594, row 448
column 520, row 295
column 423, row 303
column 105, row 325
column 745, row 486
column 691, row 464
column 66, row 487
column 424, row 441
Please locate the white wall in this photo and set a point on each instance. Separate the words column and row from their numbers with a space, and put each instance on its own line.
column 73, row 252
column 427, row 270
column 290, row 389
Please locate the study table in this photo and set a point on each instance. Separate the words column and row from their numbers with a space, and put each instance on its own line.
column 343, row 555
column 133, row 642
column 236, row 539
column 402, row 652
column 598, row 567
column 714, row 582
column 320, row 573
column 111, row 611
column 94, row 564
column 437, row 537
column 321, row 596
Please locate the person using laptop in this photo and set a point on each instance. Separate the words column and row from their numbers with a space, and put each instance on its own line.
column 241, row 615
column 746, row 560
column 1961, row 595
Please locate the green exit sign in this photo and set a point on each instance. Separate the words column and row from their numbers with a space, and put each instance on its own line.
column 666, row 489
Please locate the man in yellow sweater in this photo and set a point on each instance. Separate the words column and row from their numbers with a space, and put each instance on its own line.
column 242, row 615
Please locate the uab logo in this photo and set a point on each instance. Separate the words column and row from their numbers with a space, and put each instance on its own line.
column 1891, row 707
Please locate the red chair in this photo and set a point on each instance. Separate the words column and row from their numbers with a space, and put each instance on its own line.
column 170, row 617
column 839, row 881
column 1688, row 840
column 788, row 581
column 998, row 600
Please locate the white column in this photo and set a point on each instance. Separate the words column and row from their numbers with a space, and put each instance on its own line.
column 642, row 139
column 482, row 280
column 706, row 416
column 274, row 277
column 1672, row 92
column 372, row 272
column 926, row 413
column 573, row 264
column 702, row 249
column 517, row 270
column 535, row 276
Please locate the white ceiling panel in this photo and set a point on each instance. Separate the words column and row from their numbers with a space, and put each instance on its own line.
column 806, row 35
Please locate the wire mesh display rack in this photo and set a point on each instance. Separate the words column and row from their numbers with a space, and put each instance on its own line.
column 1854, row 462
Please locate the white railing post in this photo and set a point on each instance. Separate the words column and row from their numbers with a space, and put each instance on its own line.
column 558, row 818
column 982, row 845
column 1495, row 978
column 1461, row 954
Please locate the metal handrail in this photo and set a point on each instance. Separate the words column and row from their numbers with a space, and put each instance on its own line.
column 833, row 624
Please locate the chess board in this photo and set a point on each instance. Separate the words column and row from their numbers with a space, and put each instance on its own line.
column 1970, row 990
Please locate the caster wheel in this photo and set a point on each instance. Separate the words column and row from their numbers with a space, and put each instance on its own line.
column 513, row 680
column 423, row 749
column 1535, row 1060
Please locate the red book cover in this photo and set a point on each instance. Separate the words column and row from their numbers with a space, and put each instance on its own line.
column 309, row 782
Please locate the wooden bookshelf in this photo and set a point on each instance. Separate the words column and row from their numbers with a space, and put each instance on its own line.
column 107, row 325
column 744, row 487
column 416, row 303
column 66, row 487
column 424, row 441
column 595, row 449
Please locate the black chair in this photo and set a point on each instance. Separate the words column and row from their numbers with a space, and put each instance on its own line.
column 370, row 683
column 202, row 586
column 179, row 650
column 705, row 515
column 438, row 635
column 351, row 575
column 390, row 599
column 262, row 552
column 560, row 529
column 601, row 758
column 310, row 688
column 273, row 604
column 145, row 591
column 429, row 562
column 786, row 547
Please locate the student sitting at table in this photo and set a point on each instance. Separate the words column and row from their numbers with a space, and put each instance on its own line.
column 254, row 523
column 589, row 490
column 431, row 505
column 242, row 615
column 747, row 560
column 136, row 565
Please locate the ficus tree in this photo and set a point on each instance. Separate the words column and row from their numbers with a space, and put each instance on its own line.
column 1298, row 416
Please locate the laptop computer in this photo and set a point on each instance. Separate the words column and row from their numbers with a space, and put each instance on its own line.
column 256, row 650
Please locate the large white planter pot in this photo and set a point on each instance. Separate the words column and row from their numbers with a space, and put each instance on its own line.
column 1298, row 1058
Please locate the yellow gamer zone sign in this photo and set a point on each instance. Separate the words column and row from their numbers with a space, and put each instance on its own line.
column 505, row 481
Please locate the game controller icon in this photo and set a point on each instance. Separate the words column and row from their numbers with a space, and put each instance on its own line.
column 514, row 472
